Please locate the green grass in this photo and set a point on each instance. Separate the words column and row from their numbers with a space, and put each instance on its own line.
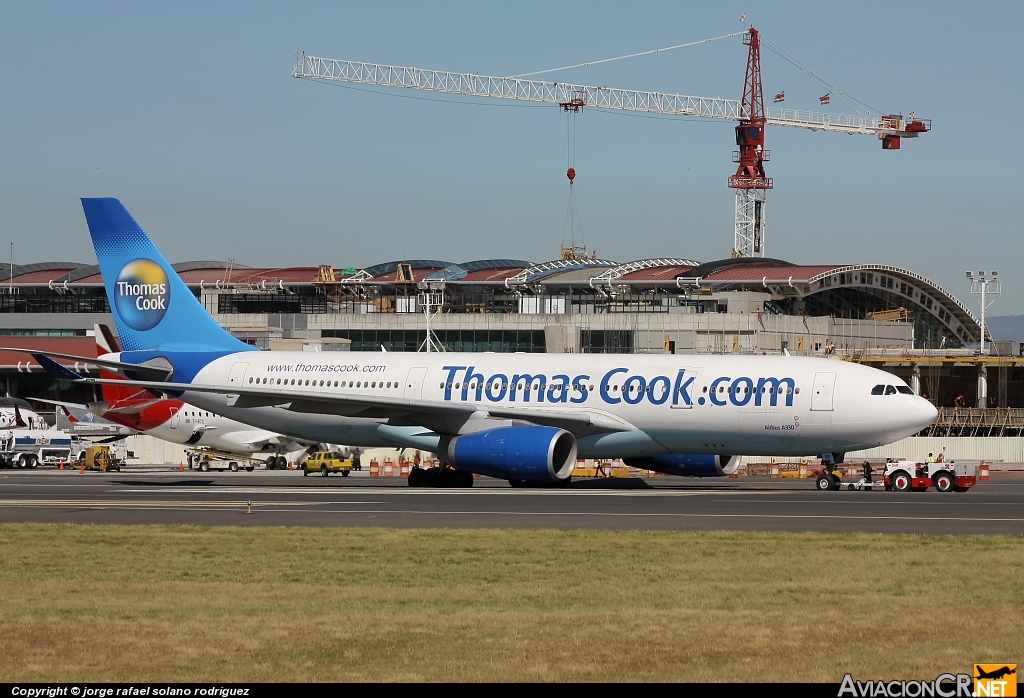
column 119, row 603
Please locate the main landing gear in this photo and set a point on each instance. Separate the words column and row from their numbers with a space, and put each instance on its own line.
column 439, row 477
column 827, row 478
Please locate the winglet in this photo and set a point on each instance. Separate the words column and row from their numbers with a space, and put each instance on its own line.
column 54, row 369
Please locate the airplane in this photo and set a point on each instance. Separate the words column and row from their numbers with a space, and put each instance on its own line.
column 996, row 674
column 140, row 411
column 18, row 414
column 182, row 423
column 525, row 418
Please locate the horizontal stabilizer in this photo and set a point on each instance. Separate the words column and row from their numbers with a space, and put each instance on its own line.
column 138, row 371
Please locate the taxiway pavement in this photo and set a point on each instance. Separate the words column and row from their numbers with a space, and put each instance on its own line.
column 157, row 495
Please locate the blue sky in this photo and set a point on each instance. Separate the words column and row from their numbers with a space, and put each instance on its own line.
column 187, row 112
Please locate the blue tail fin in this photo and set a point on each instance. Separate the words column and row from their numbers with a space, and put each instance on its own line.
column 153, row 307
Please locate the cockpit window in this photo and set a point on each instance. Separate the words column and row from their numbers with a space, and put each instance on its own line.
column 890, row 390
column 904, row 389
column 878, row 390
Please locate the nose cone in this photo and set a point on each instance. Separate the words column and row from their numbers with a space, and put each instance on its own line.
column 923, row 412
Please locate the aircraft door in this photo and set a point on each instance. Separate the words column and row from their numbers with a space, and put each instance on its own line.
column 237, row 373
column 175, row 418
column 683, row 392
column 414, row 382
column 824, row 387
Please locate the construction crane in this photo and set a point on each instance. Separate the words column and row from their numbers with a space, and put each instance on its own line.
column 750, row 181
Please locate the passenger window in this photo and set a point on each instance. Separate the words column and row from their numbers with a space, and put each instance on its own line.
column 904, row 390
column 878, row 390
column 890, row 390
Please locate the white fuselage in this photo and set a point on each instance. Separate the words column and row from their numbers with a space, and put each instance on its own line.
column 29, row 419
column 737, row 405
column 193, row 426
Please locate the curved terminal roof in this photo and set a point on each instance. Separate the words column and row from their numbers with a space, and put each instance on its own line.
column 481, row 270
column 41, row 272
column 825, row 284
column 808, row 281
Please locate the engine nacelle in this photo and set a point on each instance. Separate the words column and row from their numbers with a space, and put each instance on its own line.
column 538, row 454
column 695, row 464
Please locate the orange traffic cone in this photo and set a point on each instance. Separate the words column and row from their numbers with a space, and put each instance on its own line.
column 62, row 465
column 82, row 471
column 181, row 465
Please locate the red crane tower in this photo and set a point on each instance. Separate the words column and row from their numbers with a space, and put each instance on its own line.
column 750, row 181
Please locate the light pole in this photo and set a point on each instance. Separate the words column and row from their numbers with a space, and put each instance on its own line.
column 989, row 288
column 985, row 284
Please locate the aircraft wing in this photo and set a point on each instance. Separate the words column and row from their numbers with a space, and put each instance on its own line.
column 579, row 422
column 441, row 417
column 257, row 440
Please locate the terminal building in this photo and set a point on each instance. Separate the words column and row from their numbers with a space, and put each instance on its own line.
column 892, row 317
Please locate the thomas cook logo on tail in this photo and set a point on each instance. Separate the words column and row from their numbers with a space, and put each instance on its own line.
column 142, row 293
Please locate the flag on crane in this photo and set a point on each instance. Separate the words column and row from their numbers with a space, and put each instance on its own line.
column 781, row 97
column 911, row 115
column 743, row 17
column 826, row 99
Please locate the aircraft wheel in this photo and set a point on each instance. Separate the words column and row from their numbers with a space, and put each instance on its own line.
column 282, row 463
column 451, row 478
column 836, row 483
column 824, row 482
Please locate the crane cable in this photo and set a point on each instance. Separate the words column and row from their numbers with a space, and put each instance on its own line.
column 852, row 102
column 630, row 55
column 572, row 211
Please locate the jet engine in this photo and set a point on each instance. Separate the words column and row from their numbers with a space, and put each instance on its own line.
column 695, row 464
column 525, row 453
